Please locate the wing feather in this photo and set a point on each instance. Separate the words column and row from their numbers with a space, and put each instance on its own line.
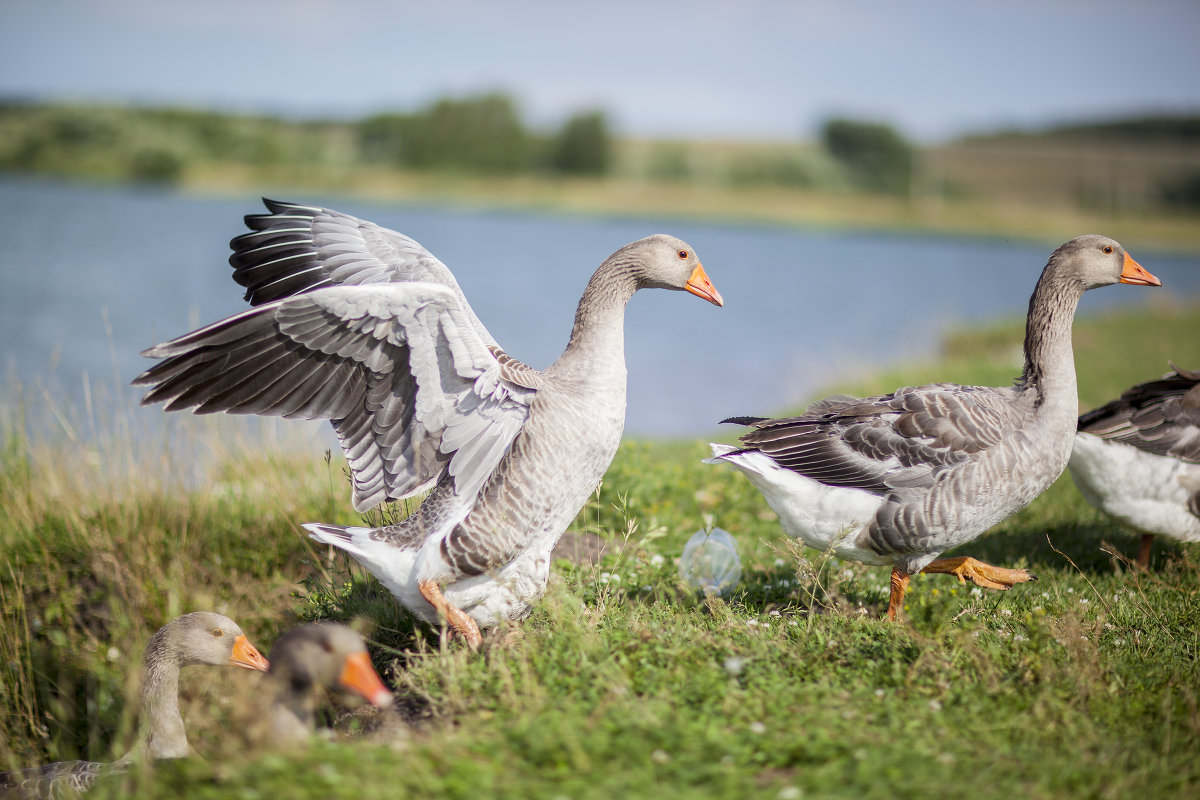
column 1160, row 416
column 399, row 369
column 896, row 441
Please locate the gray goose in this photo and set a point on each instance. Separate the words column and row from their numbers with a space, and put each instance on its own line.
column 900, row 478
column 200, row 637
column 1137, row 458
column 307, row 663
column 362, row 326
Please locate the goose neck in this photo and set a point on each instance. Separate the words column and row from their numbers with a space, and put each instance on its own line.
column 162, row 732
column 600, row 317
column 1049, row 359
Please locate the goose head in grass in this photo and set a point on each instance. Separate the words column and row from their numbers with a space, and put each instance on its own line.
column 198, row 638
column 201, row 637
column 311, row 662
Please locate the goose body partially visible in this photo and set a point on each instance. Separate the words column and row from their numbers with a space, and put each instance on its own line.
column 1137, row 458
column 898, row 479
column 362, row 326
column 200, row 637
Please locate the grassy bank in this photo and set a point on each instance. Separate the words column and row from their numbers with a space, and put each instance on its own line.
column 623, row 682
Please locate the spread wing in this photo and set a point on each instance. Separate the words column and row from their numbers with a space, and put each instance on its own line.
column 896, row 441
column 400, row 369
column 1160, row 416
column 298, row 248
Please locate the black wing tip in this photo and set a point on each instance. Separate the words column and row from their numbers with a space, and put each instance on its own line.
column 742, row 420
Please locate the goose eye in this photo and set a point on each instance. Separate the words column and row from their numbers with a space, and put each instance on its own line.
column 217, row 633
column 1108, row 248
column 683, row 254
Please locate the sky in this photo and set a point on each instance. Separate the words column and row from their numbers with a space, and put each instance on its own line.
column 744, row 69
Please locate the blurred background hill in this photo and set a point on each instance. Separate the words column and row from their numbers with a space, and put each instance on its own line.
column 481, row 149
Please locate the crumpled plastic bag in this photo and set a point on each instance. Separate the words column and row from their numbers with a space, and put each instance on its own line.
column 710, row 562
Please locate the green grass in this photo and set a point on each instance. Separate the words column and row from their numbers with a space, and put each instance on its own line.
column 623, row 682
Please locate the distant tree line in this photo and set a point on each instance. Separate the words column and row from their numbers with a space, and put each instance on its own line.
column 485, row 135
column 480, row 135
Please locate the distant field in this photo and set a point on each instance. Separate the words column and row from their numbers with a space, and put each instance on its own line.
column 624, row 683
column 1036, row 191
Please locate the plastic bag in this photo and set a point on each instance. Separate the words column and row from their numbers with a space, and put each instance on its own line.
column 710, row 562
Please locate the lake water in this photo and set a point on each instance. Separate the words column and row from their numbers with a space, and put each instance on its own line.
column 93, row 275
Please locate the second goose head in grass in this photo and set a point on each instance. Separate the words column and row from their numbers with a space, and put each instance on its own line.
column 311, row 664
column 1137, row 458
column 899, row 478
column 362, row 326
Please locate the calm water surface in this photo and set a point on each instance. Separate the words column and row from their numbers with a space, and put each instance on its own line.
column 93, row 275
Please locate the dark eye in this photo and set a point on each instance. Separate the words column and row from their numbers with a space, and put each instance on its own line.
column 683, row 254
column 217, row 633
column 1108, row 248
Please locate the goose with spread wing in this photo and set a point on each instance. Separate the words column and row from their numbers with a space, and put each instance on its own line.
column 200, row 637
column 1137, row 458
column 362, row 326
column 900, row 478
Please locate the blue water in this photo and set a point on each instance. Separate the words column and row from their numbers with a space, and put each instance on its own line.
column 93, row 275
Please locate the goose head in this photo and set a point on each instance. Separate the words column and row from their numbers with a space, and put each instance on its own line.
column 204, row 637
column 665, row 262
column 1095, row 260
column 310, row 658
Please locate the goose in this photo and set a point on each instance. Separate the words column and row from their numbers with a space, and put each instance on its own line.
column 308, row 661
column 363, row 326
column 900, row 478
column 200, row 637
column 1137, row 458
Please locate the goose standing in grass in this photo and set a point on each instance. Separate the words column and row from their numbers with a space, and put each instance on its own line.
column 310, row 661
column 898, row 479
column 362, row 326
column 1137, row 458
column 201, row 637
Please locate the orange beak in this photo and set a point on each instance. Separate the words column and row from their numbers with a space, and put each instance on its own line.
column 246, row 655
column 1134, row 273
column 359, row 675
column 699, row 285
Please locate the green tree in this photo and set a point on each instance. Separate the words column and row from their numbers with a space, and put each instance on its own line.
column 474, row 134
column 875, row 156
column 584, row 146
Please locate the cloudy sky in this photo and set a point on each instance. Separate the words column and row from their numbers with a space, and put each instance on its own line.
column 762, row 69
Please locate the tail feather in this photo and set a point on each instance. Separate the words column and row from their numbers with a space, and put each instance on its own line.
column 719, row 451
column 338, row 536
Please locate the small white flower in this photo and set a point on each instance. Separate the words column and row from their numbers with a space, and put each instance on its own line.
column 657, row 561
column 779, row 562
column 734, row 665
column 1019, row 638
column 1070, row 590
column 113, row 654
column 1083, row 601
column 935, row 705
column 1005, row 612
column 880, row 692
column 790, row 793
column 976, row 592
column 753, row 623
column 660, row 757
column 758, row 727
